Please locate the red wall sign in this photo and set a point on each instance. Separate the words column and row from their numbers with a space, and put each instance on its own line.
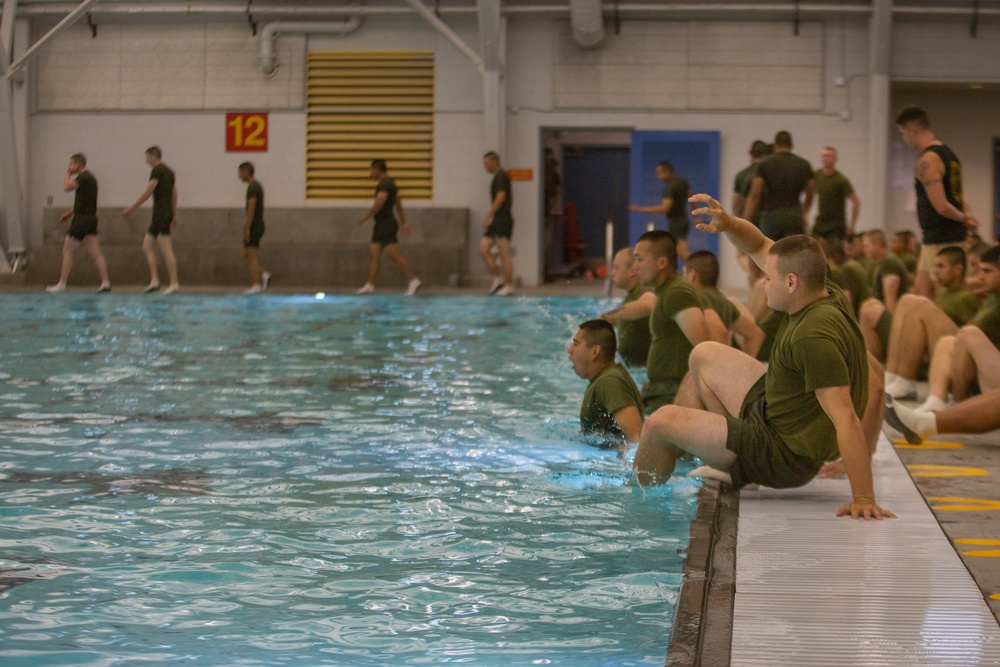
column 246, row 132
column 521, row 174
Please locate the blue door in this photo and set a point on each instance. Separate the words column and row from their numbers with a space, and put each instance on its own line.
column 694, row 155
column 596, row 182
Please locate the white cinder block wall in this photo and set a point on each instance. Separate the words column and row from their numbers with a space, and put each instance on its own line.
column 112, row 96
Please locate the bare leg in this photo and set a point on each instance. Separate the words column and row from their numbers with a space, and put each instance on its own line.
column 249, row 257
column 975, row 358
column 374, row 257
column 397, row 257
column 922, row 285
column 167, row 250
column 926, row 325
column 757, row 301
column 976, row 415
column 871, row 311
column 93, row 247
column 503, row 245
column 721, row 377
column 485, row 245
column 682, row 250
column 939, row 375
column 149, row 248
column 70, row 246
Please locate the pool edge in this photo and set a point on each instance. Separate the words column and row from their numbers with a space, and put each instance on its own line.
column 703, row 619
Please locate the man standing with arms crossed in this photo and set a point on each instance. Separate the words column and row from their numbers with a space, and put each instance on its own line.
column 162, row 189
column 253, row 230
column 83, row 228
column 832, row 189
column 944, row 216
column 498, row 227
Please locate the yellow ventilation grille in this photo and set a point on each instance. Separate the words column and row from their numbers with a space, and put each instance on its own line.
column 364, row 105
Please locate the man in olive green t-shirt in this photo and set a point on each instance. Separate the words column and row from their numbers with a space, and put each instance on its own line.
column 833, row 190
column 778, row 188
column 728, row 320
column 674, row 205
column 776, row 425
column 920, row 323
column 889, row 282
column 631, row 318
column 677, row 322
column 612, row 406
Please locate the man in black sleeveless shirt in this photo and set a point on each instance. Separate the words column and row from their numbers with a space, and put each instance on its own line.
column 944, row 216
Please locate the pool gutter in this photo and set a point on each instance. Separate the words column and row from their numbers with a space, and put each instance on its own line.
column 703, row 620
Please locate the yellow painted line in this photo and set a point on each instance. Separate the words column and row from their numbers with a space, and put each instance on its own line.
column 927, row 444
column 995, row 596
column 952, row 504
column 983, row 553
column 922, row 470
column 978, row 541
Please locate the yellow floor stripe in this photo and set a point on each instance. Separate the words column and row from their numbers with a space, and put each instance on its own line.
column 922, row 470
column 928, row 444
column 983, row 553
column 995, row 596
column 978, row 541
column 952, row 504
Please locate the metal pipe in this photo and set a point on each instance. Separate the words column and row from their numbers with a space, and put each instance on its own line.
column 586, row 19
column 67, row 21
column 448, row 33
column 272, row 30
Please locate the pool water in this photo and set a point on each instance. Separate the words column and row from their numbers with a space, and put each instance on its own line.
column 284, row 480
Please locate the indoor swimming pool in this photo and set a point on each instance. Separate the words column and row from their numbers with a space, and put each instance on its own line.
column 284, row 480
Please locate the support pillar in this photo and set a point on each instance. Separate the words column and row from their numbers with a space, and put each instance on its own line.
column 879, row 114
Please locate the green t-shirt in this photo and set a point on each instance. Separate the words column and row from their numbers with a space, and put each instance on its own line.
column 85, row 199
column 742, row 184
column 960, row 304
column 909, row 261
column 831, row 193
column 889, row 265
column 501, row 183
column 769, row 324
column 853, row 279
column 163, row 193
column 818, row 347
column 677, row 190
column 388, row 186
column 608, row 392
column 634, row 335
column 711, row 298
column 988, row 319
column 785, row 176
column 255, row 191
column 670, row 348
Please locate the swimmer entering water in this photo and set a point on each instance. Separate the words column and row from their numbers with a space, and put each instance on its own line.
column 612, row 404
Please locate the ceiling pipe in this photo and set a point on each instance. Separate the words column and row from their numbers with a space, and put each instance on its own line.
column 269, row 64
column 586, row 19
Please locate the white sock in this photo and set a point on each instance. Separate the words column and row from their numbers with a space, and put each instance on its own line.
column 923, row 424
column 901, row 388
column 890, row 378
column 932, row 404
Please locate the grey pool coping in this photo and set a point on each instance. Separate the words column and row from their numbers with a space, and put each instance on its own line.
column 703, row 619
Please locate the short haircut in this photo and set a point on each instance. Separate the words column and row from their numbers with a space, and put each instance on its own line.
column 247, row 167
column 155, row 152
column 905, row 236
column 599, row 332
column 79, row 157
column 666, row 165
column 832, row 149
column 662, row 244
column 783, row 139
column 705, row 265
column 876, row 236
column 954, row 255
column 979, row 249
column 380, row 165
column 801, row 255
column 758, row 149
column 493, row 155
column 913, row 115
column 629, row 253
column 833, row 249
column 992, row 256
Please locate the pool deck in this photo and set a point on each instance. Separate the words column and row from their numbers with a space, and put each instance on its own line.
column 788, row 583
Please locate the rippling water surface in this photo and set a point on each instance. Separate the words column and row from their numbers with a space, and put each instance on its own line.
column 286, row 481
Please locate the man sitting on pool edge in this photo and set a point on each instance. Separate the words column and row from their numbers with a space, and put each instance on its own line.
column 777, row 425
column 612, row 405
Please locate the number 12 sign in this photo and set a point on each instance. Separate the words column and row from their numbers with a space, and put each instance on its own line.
column 246, row 132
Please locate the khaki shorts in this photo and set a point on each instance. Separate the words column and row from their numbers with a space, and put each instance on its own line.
column 762, row 457
column 928, row 253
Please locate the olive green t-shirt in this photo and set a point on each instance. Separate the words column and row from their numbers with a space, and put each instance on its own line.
column 818, row 347
column 831, row 193
column 988, row 319
column 608, row 392
column 634, row 335
column 163, row 193
column 85, row 198
column 889, row 265
column 670, row 348
column 960, row 304
column 677, row 190
column 853, row 279
column 711, row 298
column 769, row 324
column 742, row 184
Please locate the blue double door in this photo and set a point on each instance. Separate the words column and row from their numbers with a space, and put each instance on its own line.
column 603, row 181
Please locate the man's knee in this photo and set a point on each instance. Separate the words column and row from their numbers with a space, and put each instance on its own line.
column 871, row 311
column 658, row 427
column 971, row 335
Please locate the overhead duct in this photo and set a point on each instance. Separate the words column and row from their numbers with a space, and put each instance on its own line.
column 268, row 64
column 586, row 18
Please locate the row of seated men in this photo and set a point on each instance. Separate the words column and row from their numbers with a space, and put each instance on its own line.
column 666, row 313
